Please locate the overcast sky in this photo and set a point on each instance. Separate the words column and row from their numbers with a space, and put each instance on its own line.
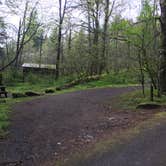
column 48, row 9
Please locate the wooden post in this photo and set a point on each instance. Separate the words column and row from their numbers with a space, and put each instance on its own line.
column 151, row 93
column 23, row 75
column 1, row 78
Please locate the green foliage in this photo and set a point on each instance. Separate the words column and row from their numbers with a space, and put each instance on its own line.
column 122, row 78
column 109, row 80
column 12, row 76
column 147, row 10
column 40, row 84
column 39, row 78
column 120, row 24
column 37, row 83
column 38, row 39
column 133, row 99
column 77, row 58
column 4, row 119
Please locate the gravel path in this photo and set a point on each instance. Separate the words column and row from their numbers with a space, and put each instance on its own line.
column 42, row 128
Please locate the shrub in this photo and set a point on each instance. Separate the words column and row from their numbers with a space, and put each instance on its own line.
column 39, row 78
column 12, row 76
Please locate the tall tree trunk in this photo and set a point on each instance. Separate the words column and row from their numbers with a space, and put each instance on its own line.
column 62, row 12
column 95, row 66
column 24, row 34
column 69, row 41
column 163, row 49
column 141, row 73
column 40, row 50
column 89, row 69
column 104, row 36
column 58, row 50
column 108, row 13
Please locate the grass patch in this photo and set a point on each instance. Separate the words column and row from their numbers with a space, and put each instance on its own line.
column 42, row 85
column 39, row 83
column 5, row 111
column 4, row 119
column 133, row 99
column 112, row 80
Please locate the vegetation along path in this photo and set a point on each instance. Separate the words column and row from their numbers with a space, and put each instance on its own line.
column 47, row 129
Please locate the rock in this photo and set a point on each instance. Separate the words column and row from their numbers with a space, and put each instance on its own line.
column 58, row 88
column 111, row 118
column 148, row 106
column 89, row 137
column 31, row 94
column 55, row 153
column 49, row 91
column 18, row 95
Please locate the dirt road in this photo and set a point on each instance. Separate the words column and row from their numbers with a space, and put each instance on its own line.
column 43, row 129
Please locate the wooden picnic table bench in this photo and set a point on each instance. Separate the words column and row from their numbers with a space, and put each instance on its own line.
column 3, row 91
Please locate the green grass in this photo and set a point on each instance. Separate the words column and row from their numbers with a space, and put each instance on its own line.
column 40, row 85
column 4, row 119
column 133, row 99
column 5, row 110
column 113, row 79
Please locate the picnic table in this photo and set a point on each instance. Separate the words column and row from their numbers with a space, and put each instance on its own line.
column 3, row 91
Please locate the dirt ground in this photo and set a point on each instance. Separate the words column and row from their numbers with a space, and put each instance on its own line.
column 45, row 130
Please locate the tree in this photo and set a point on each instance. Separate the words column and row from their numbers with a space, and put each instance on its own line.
column 163, row 47
column 62, row 12
column 107, row 13
column 3, row 36
column 2, row 31
column 24, row 33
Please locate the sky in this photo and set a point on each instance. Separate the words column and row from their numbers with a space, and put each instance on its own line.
column 48, row 10
column 133, row 9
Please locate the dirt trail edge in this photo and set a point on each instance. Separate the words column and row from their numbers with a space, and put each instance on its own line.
column 44, row 128
column 147, row 149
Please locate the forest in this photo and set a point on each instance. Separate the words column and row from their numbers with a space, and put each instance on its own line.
column 85, row 38
column 75, row 75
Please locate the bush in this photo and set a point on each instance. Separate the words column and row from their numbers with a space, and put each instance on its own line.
column 39, row 78
column 12, row 76
column 2, row 101
column 123, row 77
